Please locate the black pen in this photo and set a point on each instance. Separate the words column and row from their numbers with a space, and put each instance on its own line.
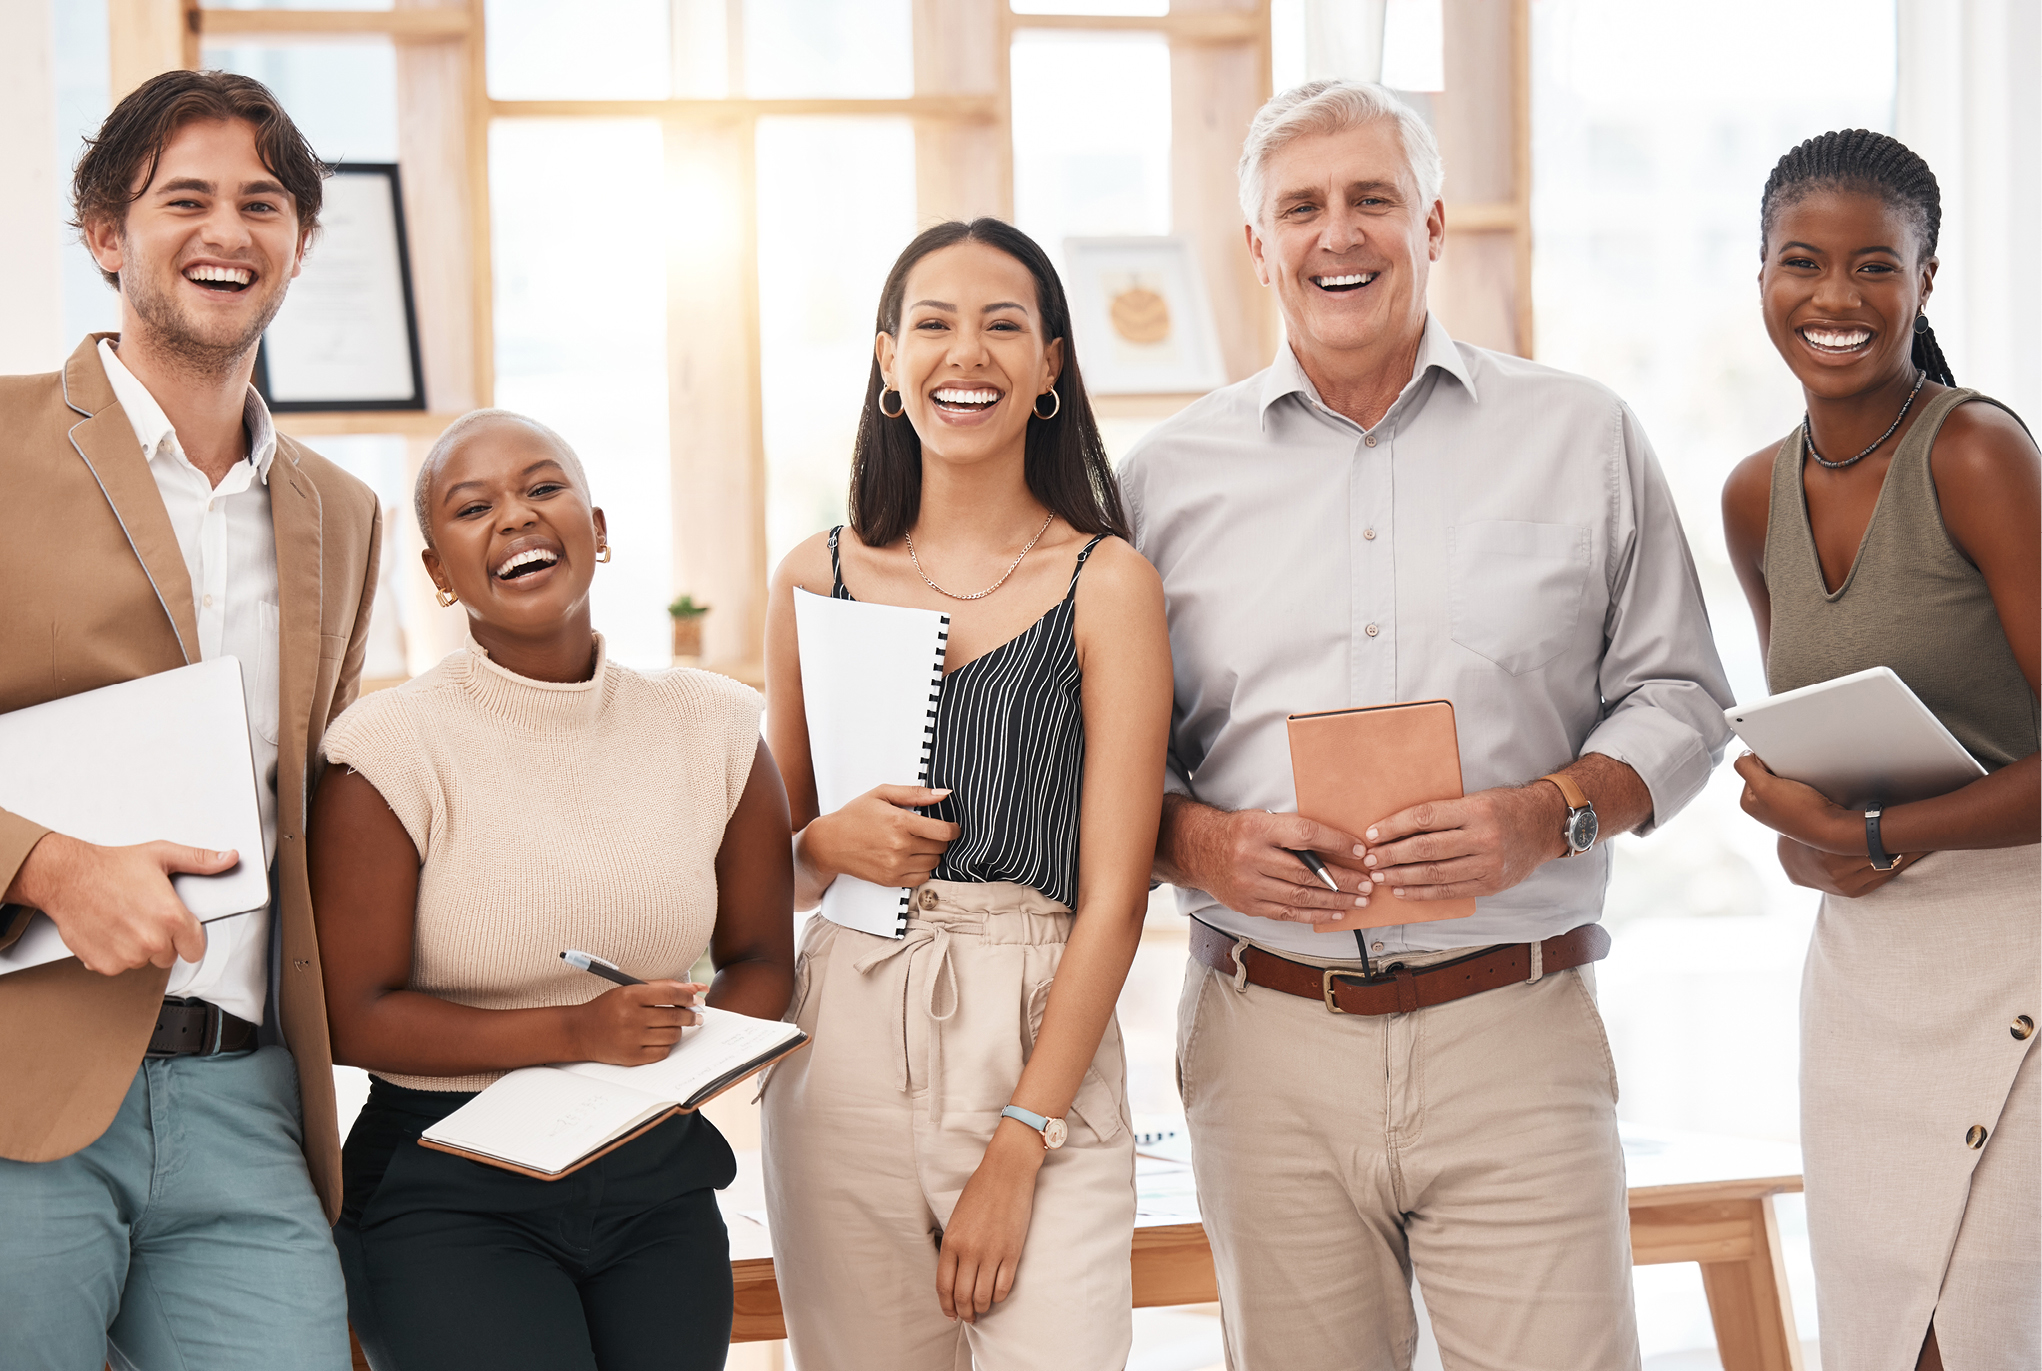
column 1311, row 861
column 609, row 971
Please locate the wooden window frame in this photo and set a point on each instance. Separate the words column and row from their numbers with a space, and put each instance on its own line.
column 962, row 111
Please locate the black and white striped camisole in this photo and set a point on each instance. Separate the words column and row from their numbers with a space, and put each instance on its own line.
column 1010, row 747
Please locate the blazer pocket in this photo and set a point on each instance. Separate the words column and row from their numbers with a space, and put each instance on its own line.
column 1517, row 589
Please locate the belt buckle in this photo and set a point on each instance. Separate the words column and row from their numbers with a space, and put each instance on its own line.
column 1326, row 979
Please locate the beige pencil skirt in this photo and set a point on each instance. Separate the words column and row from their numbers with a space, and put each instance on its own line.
column 872, row 1132
column 1921, row 1116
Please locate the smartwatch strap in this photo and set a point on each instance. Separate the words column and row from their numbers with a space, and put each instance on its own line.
column 1873, row 847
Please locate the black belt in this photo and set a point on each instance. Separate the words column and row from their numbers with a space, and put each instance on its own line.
column 193, row 1028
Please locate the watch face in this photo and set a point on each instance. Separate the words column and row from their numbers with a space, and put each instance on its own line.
column 1054, row 1131
column 1581, row 829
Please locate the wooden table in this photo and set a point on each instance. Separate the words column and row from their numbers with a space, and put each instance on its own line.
column 1695, row 1198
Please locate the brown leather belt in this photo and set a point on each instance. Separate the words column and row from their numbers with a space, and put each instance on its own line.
column 1398, row 989
column 193, row 1028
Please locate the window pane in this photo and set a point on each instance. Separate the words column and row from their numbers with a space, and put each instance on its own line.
column 377, row 460
column 589, row 50
column 818, row 297
column 824, row 49
column 1414, row 56
column 581, row 340
column 1652, row 139
column 1091, row 135
column 342, row 96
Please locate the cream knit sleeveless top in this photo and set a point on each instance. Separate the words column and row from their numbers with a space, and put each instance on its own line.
column 547, row 817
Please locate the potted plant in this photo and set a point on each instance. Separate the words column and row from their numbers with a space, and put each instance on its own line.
column 687, row 617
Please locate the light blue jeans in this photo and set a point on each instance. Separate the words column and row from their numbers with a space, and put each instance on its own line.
column 187, row 1238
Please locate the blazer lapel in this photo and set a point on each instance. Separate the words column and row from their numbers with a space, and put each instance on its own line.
column 295, row 513
column 105, row 441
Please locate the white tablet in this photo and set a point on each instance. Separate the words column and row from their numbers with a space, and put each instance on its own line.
column 1861, row 739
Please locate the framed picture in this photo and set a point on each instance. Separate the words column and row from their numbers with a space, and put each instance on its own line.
column 1143, row 323
column 347, row 336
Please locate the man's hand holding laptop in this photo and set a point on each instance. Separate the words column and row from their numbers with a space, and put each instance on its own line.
column 115, row 906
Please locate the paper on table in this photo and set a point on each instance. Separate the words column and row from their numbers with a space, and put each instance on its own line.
column 871, row 676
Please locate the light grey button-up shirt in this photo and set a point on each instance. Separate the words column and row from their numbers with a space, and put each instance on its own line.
column 1503, row 539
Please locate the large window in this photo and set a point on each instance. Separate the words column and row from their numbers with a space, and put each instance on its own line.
column 836, row 206
column 1653, row 136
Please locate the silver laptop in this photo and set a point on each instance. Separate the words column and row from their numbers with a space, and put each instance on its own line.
column 163, row 756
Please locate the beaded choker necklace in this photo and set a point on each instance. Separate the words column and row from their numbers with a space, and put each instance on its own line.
column 1808, row 436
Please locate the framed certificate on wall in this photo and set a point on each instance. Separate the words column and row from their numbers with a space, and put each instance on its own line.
column 1141, row 316
column 347, row 335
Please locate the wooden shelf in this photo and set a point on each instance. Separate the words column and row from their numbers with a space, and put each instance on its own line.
column 403, row 26
column 1196, row 26
column 412, row 423
column 977, row 109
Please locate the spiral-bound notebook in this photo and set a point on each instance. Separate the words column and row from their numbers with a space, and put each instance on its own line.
column 871, row 676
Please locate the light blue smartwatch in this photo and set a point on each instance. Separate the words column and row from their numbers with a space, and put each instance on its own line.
column 1053, row 1131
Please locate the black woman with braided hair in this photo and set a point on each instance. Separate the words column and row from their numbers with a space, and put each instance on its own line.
column 1900, row 524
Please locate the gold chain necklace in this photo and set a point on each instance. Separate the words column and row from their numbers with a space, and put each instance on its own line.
column 989, row 589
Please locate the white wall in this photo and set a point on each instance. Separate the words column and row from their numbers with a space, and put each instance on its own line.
column 1970, row 102
column 31, row 336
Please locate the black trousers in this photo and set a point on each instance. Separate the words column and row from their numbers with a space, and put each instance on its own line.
column 623, row 1265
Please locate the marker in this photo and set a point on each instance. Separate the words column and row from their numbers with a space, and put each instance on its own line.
column 609, row 971
column 1310, row 859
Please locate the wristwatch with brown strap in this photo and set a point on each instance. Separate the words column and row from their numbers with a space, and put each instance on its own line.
column 1581, row 826
column 1398, row 989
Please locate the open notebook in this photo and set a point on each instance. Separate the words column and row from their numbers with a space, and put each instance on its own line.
column 871, row 676
column 547, row 1121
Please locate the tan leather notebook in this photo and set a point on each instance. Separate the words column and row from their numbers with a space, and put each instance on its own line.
column 1355, row 766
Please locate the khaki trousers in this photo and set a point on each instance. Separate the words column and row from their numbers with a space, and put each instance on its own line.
column 1474, row 1143
column 873, row 1130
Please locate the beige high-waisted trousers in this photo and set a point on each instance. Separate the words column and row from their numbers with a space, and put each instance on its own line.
column 872, row 1132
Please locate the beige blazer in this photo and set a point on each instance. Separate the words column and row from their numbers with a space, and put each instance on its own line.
column 94, row 591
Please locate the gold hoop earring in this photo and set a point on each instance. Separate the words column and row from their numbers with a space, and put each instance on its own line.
column 884, row 390
column 602, row 552
column 445, row 597
column 1054, row 410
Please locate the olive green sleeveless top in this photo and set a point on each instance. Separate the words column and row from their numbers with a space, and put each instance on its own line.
column 1911, row 602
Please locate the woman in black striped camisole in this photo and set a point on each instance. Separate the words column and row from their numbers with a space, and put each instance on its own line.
column 949, row 1167
column 1009, row 752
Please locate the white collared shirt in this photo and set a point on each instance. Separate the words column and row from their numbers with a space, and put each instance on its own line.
column 229, row 547
column 1502, row 538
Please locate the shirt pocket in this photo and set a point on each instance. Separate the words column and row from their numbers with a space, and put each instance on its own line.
column 1517, row 589
column 264, row 709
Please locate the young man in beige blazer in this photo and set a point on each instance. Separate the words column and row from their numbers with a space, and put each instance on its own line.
column 169, row 1160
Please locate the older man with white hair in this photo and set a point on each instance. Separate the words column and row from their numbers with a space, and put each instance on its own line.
column 1387, row 515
